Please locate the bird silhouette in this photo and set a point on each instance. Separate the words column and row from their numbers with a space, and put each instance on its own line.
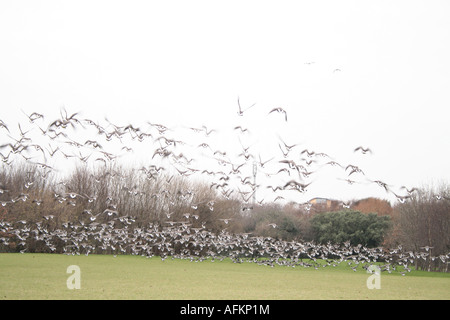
column 280, row 110
column 33, row 116
column 241, row 111
column 363, row 150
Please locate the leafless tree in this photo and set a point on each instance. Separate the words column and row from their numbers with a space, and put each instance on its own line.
column 423, row 225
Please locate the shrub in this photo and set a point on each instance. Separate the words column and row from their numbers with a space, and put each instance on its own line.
column 354, row 226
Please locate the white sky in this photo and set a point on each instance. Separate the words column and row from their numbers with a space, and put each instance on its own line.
column 186, row 62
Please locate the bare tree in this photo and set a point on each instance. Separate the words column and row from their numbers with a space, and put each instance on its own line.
column 423, row 222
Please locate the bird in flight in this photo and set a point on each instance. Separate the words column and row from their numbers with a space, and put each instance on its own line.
column 3, row 125
column 241, row 129
column 295, row 185
column 353, row 169
column 287, row 147
column 262, row 163
column 308, row 152
column 363, row 150
column 410, row 191
column 401, row 198
column 33, row 116
column 241, row 112
column 279, row 110
column 226, row 221
column 381, row 184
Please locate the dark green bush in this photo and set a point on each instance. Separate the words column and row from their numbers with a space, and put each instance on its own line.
column 354, row 226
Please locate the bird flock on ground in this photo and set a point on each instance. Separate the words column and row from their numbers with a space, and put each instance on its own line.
column 179, row 240
column 52, row 146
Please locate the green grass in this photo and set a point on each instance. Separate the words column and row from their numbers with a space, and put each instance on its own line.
column 43, row 276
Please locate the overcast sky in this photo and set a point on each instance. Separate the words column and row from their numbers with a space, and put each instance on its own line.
column 348, row 73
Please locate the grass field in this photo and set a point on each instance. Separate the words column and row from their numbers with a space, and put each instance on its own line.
column 43, row 276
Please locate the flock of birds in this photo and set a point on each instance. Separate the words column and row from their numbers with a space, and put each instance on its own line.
column 71, row 138
column 291, row 169
column 179, row 240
